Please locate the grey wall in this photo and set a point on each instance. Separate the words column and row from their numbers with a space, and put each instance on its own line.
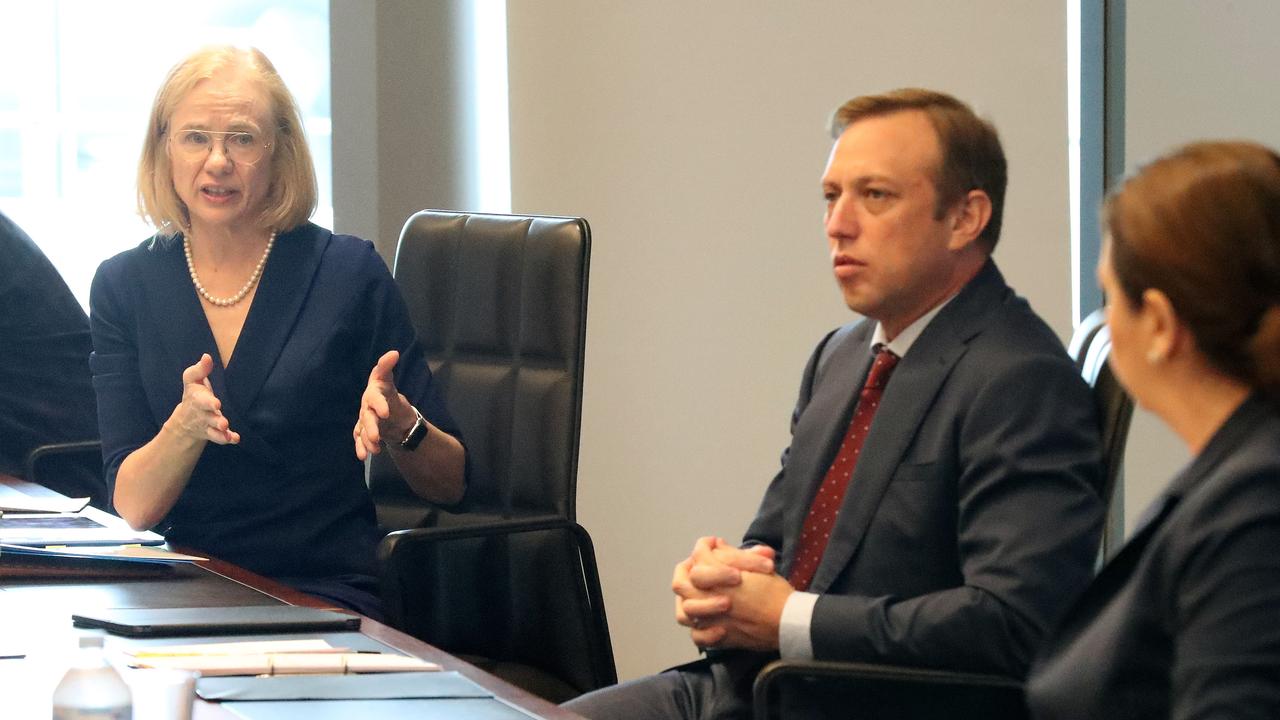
column 401, row 144
column 1193, row 70
column 691, row 136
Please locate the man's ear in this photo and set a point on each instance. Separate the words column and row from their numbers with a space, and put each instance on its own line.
column 969, row 217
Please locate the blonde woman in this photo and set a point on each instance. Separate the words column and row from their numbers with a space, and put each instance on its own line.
column 247, row 361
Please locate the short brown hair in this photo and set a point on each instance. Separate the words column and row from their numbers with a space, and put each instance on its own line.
column 1202, row 225
column 292, row 197
column 972, row 158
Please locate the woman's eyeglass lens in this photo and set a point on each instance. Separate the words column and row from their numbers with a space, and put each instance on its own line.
column 241, row 147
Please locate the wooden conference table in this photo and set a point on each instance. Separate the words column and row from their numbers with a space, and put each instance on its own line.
column 35, row 619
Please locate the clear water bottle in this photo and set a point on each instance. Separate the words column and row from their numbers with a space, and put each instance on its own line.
column 92, row 689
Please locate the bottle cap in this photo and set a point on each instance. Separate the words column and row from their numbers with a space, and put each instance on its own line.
column 91, row 641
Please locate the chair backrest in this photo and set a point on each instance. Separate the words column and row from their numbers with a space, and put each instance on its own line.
column 1115, row 412
column 1078, row 348
column 500, row 305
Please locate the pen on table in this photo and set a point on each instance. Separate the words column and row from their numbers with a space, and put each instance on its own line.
column 202, row 653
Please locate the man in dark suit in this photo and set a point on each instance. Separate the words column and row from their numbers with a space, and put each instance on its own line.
column 938, row 503
column 45, row 390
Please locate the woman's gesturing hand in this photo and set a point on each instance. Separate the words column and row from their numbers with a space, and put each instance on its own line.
column 199, row 415
column 383, row 410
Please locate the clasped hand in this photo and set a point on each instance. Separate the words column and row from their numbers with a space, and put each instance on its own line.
column 730, row 597
column 383, row 410
column 199, row 415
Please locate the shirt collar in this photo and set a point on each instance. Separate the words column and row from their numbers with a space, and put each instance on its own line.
column 905, row 339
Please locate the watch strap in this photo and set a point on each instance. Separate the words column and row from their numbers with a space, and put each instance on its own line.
column 413, row 438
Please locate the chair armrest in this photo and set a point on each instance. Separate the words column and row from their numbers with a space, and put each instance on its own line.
column 473, row 593
column 400, row 544
column 991, row 696
column 71, row 468
column 416, row 536
column 82, row 449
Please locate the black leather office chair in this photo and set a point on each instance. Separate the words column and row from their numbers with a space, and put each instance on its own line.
column 500, row 305
column 887, row 691
column 71, row 468
column 507, row 580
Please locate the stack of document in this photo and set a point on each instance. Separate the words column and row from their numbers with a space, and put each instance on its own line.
column 38, row 532
column 31, row 520
column 273, row 657
column 88, row 561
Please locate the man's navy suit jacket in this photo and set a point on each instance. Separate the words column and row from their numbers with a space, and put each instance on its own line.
column 973, row 515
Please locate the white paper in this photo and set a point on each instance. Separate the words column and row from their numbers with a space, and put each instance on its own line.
column 14, row 500
column 287, row 663
column 102, row 529
column 249, row 647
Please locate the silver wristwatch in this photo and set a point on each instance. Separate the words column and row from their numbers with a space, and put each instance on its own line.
column 413, row 438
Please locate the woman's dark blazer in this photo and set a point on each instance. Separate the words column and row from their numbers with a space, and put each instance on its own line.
column 1185, row 620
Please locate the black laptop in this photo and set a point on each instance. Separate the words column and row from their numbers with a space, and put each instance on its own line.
column 252, row 619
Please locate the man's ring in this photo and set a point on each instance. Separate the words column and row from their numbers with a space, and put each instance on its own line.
column 695, row 622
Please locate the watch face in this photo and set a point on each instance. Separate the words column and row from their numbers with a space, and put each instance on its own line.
column 416, row 434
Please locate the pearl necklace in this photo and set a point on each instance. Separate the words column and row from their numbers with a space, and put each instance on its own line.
column 248, row 285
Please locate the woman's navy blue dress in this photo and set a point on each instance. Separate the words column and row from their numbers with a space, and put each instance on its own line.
column 290, row 501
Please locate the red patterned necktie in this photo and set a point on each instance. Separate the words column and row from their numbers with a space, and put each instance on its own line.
column 826, row 504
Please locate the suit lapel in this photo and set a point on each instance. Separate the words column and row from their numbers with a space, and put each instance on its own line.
column 907, row 399
column 1084, row 611
column 1116, row 573
column 1225, row 442
column 277, row 305
column 836, row 385
column 180, row 321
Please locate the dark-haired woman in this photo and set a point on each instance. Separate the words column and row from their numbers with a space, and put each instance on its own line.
column 1185, row 621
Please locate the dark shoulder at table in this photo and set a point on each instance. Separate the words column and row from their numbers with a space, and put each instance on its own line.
column 45, row 390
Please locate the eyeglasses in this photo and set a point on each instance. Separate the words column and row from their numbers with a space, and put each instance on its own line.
column 243, row 148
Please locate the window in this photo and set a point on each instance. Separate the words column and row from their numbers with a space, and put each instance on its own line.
column 79, row 79
column 1095, row 102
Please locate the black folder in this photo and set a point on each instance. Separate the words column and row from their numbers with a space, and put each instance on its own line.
column 252, row 619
